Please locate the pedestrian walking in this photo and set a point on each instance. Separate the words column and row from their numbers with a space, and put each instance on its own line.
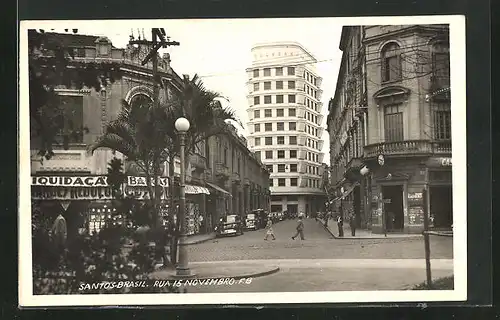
column 300, row 229
column 352, row 224
column 269, row 231
column 340, row 225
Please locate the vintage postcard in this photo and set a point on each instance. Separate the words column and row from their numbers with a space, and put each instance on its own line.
column 223, row 161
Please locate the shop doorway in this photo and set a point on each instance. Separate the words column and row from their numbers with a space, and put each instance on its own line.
column 441, row 206
column 393, row 208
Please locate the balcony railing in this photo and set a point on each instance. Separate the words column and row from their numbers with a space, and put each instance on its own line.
column 409, row 147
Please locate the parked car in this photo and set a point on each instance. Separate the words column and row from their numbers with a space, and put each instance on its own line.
column 280, row 216
column 251, row 221
column 229, row 225
column 261, row 218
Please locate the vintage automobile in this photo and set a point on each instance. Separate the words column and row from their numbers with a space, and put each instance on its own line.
column 230, row 225
column 261, row 218
column 251, row 221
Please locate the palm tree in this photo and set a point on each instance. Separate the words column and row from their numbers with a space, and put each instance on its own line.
column 146, row 135
column 207, row 118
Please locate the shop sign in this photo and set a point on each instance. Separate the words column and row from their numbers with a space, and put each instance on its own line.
column 71, row 193
column 133, row 181
column 70, row 181
column 140, row 193
column 415, row 215
column 415, row 198
column 439, row 162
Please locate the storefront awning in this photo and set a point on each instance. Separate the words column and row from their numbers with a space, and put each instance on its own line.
column 216, row 187
column 190, row 189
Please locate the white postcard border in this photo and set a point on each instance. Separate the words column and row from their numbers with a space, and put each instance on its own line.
column 459, row 155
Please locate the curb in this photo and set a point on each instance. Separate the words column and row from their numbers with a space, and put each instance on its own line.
column 212, row 237
column 188, row 244
column 440, row 234
column 328, row 230
column 241, row 276
column 374, row 237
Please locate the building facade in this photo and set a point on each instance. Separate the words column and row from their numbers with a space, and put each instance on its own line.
column 390, row 126
column 74, row 183
column 285, row 116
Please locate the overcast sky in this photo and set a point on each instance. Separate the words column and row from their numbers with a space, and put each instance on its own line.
column 219, row 49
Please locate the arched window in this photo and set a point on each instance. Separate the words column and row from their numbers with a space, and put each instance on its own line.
column 391, row 62
column 140, row 100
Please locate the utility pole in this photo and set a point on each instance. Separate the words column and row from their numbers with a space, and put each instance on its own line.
column 427, row 246
column 158, row 40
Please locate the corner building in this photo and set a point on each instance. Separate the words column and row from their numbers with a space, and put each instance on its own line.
column 390, row 126
column 284, row 98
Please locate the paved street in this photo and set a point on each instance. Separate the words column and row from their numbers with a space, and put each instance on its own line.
column 321, row 263
column 334, row 275
column 318, row 245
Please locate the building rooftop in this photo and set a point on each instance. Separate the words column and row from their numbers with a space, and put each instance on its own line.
column 74, row 39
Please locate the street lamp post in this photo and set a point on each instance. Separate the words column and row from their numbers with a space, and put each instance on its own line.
column 182, row 269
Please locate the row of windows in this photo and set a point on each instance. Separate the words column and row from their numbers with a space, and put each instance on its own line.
column 282, row 182
column 292, row 154
column 312, row 131
column 311, row 104
column 312, row 117
column 310, row 91
column 312, row 157
column 394, row 124
column 392, row 61
column 280, row 154
column 293, row 182
column 277, row 72
column 280, row 140
column 278, row 99
column 280, row 126
column 282, row 168
column 268, row 113
column 310, row 78
column 268, row 141
column 292, row 167
column 278, row 85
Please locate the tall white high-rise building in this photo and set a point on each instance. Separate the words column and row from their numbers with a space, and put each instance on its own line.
column 285, row 112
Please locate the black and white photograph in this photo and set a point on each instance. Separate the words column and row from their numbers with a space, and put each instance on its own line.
column 242, row 161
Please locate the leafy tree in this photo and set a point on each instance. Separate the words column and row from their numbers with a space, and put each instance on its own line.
column 116, row 176
column 146, row 135
column 52, row 65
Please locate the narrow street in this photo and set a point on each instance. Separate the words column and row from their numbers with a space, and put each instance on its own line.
column 321, row 263
column 318, row 245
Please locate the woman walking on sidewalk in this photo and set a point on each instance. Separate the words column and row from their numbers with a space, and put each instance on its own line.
column 269, row 231
column 300, row 229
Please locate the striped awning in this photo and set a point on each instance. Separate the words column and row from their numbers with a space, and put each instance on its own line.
column 216, row 187
column 190, row 189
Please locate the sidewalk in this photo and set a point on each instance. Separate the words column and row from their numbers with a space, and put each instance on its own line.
column 219, row 269
column 362, row 233
column 194, row 239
